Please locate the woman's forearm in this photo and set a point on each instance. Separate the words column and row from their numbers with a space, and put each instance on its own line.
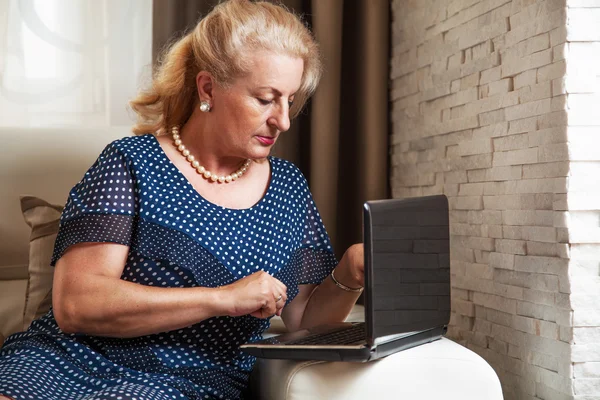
column 104, row 306
column 327, row 304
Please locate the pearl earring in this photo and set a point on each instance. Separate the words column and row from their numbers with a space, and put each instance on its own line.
column 204, row 106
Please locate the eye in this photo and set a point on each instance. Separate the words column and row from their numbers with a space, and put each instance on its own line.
column 291, row 102
column 264, row 102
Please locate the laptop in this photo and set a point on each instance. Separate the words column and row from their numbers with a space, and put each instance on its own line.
column 407, row 288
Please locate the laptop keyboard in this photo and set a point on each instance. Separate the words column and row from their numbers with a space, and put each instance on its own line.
column 353, row 334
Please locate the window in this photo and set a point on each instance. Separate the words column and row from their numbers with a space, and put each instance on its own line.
column 72, row 63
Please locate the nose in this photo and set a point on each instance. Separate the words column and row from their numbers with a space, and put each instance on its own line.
column 280, row 118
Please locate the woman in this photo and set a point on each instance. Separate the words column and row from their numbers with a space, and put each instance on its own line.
column 176, row 248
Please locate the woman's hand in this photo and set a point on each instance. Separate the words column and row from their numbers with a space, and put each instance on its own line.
column 351, row 269
column 259, row 295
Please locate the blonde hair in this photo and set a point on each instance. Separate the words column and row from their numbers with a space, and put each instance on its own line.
column 220, row 44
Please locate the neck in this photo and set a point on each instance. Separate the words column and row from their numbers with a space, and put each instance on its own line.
column 212, row 176
column 207, row 149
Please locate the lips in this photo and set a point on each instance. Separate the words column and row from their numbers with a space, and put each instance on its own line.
column 266, row 140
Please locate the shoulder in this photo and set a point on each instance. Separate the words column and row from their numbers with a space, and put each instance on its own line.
column 131, row 151
column 133, row 146
column 289, row 182
column 288, row 170
column 122, row 155
column 109, row 186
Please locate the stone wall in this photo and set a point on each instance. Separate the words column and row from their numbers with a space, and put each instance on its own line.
column 494, row 105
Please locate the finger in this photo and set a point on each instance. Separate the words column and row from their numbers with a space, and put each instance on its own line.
column 261, row 313
column 269, row 309
column 280, row 310
column 280, row 285
column 280, row 304
column 266, row 314
column 284, row 298
column 280, row 299
column 281, row 289
column 274, row 285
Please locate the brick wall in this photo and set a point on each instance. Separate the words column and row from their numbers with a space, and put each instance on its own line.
column 495, row 105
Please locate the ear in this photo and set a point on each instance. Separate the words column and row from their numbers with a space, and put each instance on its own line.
column 204, row 85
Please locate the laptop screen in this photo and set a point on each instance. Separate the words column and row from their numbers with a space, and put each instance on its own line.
column 407, row 265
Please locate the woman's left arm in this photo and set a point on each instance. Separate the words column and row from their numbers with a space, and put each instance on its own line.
column 327, row 303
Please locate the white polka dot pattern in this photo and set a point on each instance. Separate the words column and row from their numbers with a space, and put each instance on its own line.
column 135, row 196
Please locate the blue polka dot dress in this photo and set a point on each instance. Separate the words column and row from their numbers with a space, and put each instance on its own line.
column 134, row 195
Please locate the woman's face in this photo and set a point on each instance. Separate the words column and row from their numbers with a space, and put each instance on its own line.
column 248, row 116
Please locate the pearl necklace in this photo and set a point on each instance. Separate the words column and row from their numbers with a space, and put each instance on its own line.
column 199, row 168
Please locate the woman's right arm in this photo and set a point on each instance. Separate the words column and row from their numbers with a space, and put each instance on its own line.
column 90, row 297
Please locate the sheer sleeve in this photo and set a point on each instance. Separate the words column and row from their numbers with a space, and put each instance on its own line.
column 314, row 260
column 101, row 207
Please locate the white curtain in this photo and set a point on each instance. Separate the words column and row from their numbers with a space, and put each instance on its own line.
column 72, row 62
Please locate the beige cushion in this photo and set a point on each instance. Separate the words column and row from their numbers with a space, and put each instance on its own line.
column 43, row 218
column 13, row 286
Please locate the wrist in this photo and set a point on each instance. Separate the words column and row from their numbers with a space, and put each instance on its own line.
column 350, row 270
column 343, row 275
column 357, row 289
column 222, row 300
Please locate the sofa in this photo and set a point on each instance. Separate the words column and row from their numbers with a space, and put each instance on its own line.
column 37, row 169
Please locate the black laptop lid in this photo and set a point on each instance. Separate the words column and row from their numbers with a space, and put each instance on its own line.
column 407, row 265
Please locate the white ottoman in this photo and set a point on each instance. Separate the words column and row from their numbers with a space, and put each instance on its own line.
column 439, row 370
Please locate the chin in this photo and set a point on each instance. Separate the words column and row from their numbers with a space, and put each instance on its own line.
column 258, row 153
